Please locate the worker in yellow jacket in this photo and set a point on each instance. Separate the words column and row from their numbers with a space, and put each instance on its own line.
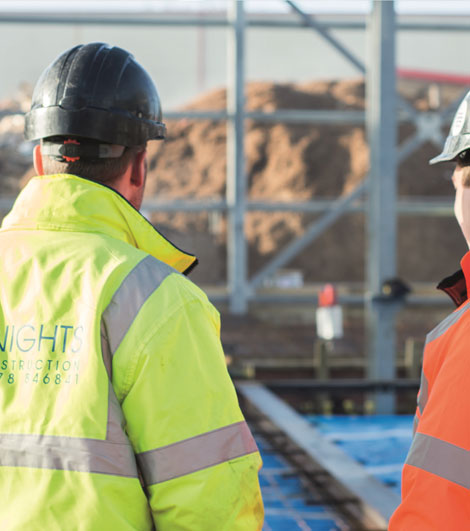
column 116, row 408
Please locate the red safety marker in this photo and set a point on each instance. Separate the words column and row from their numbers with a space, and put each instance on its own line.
column 329, row 314
column 328, row 296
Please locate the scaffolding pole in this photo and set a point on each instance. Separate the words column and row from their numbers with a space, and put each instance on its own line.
column 381, row 260
column 236, row 185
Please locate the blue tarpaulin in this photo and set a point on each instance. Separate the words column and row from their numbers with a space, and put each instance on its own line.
column 380, row 443
column 286, row 501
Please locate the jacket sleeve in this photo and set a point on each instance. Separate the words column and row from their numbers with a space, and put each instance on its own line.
column 197, row 457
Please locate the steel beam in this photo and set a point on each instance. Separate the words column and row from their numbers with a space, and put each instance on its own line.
column 289, row 116
column 377, row 500
column 236, row 179
column 425, row 207
column 415, row 206
column 410, row 145
column 310, row 21
column 409, row 207
column 216, row 116
column 109, row 20
column 412, row 207
column 314, row 206
column 310, row 299
column 343, row 384
column 181, row 205
column 381, row 257
column 302, row 116
column 302, row 296
column 158, row 20
column 309, row 116
column 339, row 207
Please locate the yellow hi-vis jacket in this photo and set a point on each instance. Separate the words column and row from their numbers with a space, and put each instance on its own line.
column 116, row 408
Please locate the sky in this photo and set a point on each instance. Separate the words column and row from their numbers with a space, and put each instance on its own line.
column 427, row 7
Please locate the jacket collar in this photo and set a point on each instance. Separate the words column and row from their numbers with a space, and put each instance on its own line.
column 70, row 203
column 457, row 286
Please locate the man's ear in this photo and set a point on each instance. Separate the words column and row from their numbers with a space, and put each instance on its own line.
column 139, row 169
column 37, row 160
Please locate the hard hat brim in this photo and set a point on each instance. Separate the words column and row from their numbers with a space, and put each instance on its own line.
column 442, row 157
column 452, row 147
column 97, row 124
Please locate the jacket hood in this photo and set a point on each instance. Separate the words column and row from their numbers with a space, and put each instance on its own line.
column 69, row 203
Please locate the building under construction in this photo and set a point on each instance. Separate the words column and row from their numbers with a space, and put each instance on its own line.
column 283, row 178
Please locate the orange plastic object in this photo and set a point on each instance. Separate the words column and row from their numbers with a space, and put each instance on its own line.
column 328, row 296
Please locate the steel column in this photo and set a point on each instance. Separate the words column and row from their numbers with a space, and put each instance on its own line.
column 236, row 185
column 381, row 259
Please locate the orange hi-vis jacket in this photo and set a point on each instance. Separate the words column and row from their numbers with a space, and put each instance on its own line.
column 436, row 474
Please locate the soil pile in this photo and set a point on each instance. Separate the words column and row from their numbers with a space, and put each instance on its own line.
column 299, row 162
column 15, row 153
column 284, row 162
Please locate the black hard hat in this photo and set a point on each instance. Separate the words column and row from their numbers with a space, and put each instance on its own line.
column 459, row 134
column 97, row 92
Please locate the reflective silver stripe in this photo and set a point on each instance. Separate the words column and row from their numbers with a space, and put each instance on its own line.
column 67, row 453
column 114, row 429
column 114, row 456
column 106, row 351
column 442, row 327
column 135, row 289
column 423, row 393
column 415, row 424
column 440, row 458
column 196, row 453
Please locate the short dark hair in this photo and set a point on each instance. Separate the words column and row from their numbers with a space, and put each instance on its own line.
column 105, row 171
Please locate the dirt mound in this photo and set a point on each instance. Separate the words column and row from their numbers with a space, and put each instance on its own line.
column 284, row 162
column 15, row 153
column 299, row 162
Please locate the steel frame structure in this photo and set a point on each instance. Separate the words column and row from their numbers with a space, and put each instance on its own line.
column 380, row 186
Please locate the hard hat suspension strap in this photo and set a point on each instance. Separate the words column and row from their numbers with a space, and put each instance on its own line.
column 71, row 150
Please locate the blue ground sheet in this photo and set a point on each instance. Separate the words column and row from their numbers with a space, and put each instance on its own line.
column 284, row 498
column 380, row 443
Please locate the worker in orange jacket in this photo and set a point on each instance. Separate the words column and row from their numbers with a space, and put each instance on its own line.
column 436, row 474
